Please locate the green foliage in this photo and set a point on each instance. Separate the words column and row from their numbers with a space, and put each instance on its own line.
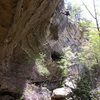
column 85, row 82
column 85, row 23
column 95, row 95
column 62, row 65
column 65, row 61
column 83, row 86
column 41, row 66
column 95, row 45
column 90, row 54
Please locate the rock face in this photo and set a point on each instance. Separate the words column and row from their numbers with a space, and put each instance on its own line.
column 27, row 28
column 23, row 25
column 35, row 93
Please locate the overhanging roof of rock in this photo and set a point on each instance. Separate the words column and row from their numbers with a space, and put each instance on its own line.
column 7, row 10
column 29, row 12
column 19, row 17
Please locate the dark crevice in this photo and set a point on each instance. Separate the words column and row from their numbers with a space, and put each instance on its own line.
column 56, row 56
column 9, row 93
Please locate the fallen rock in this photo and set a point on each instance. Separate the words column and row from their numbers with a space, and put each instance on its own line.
column 61, row 93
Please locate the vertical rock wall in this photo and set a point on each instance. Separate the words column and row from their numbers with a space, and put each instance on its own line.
column 23, row 25
column 27, row 28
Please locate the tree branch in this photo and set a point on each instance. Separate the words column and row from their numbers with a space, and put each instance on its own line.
column 88, row 9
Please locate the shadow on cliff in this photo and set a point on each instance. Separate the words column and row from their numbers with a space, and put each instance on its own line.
column 21, row 69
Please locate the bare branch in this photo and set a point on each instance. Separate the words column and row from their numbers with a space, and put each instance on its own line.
column 96, row 18
column 88, row 9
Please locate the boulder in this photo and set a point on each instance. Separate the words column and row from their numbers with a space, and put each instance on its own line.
column 61, row 93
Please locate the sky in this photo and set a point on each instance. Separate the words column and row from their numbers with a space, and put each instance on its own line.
column 89, row 4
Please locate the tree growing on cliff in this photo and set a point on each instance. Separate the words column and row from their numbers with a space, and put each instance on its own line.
column 95, row 16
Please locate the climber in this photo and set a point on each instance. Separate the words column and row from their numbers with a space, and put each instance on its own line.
column 67, row 13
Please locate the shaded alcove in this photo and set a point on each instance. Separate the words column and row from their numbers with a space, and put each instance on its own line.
column 56, row 56
column 15, row 79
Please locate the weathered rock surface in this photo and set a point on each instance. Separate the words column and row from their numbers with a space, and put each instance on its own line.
column 35, row 93
column 27, row 28
column 66, row 91
column 61, row 92
column 23, row 25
